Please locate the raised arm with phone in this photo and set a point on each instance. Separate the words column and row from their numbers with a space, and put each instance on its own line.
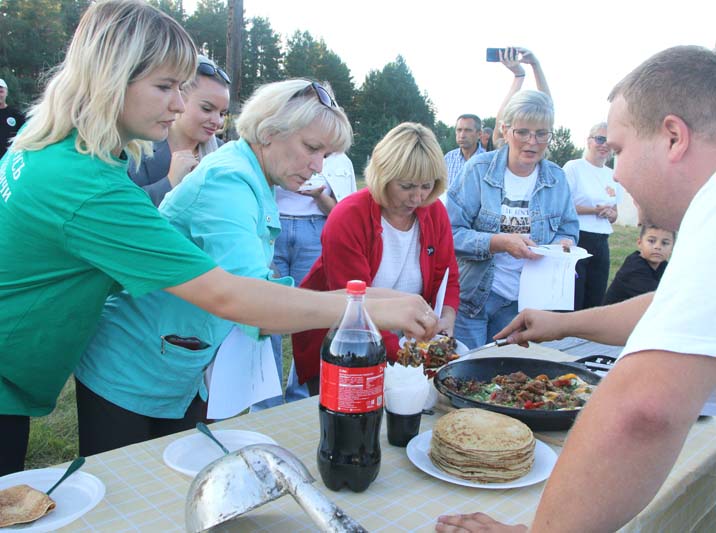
column 513, row 58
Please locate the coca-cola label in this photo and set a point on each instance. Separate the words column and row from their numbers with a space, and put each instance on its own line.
column 351, row 390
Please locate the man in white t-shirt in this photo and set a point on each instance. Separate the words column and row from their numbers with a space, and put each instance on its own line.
column 662, row 126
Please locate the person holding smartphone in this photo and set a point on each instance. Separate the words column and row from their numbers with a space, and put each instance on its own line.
column 513, row 58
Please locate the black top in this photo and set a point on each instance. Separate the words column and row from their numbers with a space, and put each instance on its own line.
column 635, row 277
column 11, row 120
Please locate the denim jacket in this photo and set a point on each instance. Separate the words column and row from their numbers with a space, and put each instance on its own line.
column 474, row 206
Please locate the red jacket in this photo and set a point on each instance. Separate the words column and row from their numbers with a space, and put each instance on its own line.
column 353, row 248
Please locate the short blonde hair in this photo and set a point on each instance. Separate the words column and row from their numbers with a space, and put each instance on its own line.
column 117, row 42
column 530, row 106
column 285, row 107
column 598, row 126
column 410, row 151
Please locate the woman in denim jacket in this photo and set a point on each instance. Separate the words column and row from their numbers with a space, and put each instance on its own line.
column 504, row 202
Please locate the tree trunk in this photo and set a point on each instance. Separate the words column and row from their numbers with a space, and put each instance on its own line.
column 233, row 61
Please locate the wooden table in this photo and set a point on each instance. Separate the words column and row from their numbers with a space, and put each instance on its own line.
column 143, row 494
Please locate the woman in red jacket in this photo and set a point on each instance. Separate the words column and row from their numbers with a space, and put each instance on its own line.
column 393, row 235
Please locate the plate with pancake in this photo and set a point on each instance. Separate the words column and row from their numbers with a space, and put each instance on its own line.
column 77, row 495
column 419, row 454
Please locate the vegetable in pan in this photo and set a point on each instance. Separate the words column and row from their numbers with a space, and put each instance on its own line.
column 519, row 391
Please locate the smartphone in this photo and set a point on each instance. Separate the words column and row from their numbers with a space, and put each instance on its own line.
column 190, row 343
column 493, row 54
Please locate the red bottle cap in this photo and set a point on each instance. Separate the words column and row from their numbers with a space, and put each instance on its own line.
column 355, row 286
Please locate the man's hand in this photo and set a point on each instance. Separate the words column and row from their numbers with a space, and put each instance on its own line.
column 183, row 162
column 533, row 325
column 474, row 522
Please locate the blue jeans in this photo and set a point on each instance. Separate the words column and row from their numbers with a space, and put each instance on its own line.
column 296, row 249
column 493, row 317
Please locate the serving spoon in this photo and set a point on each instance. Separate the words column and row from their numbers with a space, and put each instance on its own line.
column 74, row 466
column 206, row 431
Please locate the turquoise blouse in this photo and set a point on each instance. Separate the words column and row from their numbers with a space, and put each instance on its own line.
column 226, row 207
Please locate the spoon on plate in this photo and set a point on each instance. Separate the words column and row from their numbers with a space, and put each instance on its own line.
column 206, row 431
column 74, row 466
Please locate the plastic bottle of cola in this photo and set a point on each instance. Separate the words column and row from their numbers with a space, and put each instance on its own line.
column 351, row 397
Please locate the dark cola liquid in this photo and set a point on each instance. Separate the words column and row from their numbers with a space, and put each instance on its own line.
column 349, row 449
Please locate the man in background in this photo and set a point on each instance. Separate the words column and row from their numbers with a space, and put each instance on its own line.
column 467, row 135
column 11, row 120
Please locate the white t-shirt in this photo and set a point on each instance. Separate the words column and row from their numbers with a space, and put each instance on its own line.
column 592, row 186
column 515, row 218
column 400, row 265
column 681, row 317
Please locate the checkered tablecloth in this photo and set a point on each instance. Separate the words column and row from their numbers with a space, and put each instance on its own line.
column 143, row 494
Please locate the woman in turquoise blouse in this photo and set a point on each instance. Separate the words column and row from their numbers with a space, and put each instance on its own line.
column 134, row 381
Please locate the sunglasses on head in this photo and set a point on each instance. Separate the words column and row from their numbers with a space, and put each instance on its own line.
column 323, row 95
column 599, row 139
column 210, row 70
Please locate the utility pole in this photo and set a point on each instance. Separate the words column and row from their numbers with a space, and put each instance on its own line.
column 233, row 60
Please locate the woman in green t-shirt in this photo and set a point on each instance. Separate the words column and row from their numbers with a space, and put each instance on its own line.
column 75, row 228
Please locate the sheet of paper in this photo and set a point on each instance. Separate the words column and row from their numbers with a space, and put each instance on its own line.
column 440, row 298
column 548, row 283
column 242, row 374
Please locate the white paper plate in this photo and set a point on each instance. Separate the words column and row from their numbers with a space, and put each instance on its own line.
column 77, row 495
column 460, row 348
column 418, row 452
column 190, row 454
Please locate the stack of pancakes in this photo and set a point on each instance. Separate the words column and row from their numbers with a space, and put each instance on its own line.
column 482, row 446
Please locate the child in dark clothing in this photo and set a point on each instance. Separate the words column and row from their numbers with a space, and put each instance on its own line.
column 642, row 270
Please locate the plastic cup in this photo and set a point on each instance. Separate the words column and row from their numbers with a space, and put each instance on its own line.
column 402, row 428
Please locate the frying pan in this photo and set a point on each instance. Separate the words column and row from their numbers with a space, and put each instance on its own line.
column 489, row 367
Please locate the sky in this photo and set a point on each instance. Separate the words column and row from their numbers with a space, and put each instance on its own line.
column 584, row 47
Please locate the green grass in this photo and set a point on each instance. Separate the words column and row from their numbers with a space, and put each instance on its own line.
column 53, row 438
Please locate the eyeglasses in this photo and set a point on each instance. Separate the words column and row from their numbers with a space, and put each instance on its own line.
column 599, row 139
column 207, row 69
column 323, row 95
column 524, row 135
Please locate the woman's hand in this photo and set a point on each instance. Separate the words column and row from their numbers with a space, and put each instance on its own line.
column 313, row 193
column 515, row 244
column 409, row 313
column 446, row 324
column 183, row 162
column 473, row 523
column 526, row 56
column 510, row 58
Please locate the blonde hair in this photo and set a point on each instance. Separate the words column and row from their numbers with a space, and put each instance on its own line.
column 284, row 107
column 409, row 151
column 116, row 43
column 598, row 126
column 531, row 106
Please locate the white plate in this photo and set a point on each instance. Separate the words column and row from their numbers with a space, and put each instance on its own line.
column 460, row 348
column 314, row 183
column 418, row 452
column 77, row 495
column 190, row 454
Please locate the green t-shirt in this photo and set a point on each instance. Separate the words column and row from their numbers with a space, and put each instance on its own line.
column 72, row 228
